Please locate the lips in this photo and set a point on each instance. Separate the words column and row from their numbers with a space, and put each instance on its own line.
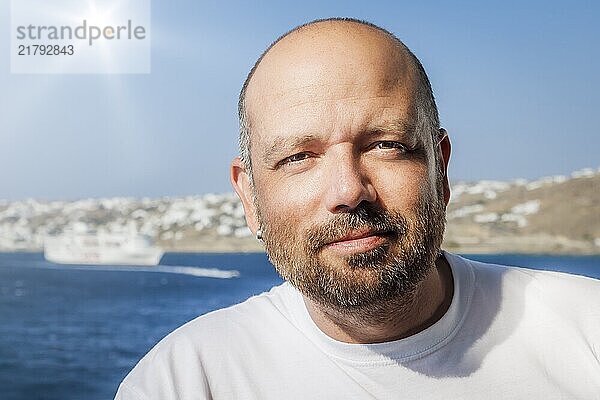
column 359, row 241
column 358, row 234
column 366, row 227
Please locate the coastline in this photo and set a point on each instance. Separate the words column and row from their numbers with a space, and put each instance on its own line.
column 475, row 243
column 552, row 215
column 542, row 244
column 536, row 244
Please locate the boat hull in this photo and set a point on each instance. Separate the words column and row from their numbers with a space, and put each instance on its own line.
column 103, row 258
column 104, row 249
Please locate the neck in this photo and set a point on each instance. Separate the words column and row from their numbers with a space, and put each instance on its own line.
column 394, row 319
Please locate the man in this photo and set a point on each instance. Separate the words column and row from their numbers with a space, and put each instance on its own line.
column 342, row 174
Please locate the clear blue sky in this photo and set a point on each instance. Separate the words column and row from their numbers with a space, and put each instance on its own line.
column 517, row 85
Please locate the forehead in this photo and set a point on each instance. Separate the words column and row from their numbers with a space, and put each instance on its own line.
column 317, row 78
column 337, row 111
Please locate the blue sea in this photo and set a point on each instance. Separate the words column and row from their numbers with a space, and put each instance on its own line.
column 70, row 332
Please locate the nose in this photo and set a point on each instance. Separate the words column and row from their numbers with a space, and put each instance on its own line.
column 348, row 185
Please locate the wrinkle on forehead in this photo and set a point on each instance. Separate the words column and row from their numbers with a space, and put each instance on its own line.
column 299, row 85
column 291, row 103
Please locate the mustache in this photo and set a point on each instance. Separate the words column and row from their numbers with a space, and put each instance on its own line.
column 365, row 216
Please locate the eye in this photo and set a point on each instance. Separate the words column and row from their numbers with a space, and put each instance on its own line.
column 391, row 145
column 295, row 158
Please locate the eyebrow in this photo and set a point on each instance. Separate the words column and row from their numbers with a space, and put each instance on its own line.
column 282, row 145
column 396, row 126
column 285, row 144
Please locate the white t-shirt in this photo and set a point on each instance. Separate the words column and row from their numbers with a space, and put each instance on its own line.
column 509, row 333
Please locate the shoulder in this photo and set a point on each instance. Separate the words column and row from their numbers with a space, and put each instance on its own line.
column 182, row 358
column 560, row 296
column 230, row 325
column 246, row 317
column 545, row 278
column 538, row 281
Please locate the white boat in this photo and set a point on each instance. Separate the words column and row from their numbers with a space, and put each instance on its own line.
column 102, row 248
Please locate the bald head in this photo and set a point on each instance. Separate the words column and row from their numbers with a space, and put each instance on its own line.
column 323, row 55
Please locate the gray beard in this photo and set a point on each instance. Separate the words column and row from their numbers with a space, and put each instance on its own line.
column 369, row 283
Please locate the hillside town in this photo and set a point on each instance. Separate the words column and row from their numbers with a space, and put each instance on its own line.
column 557, row 214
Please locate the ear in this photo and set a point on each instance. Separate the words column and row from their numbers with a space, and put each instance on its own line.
column 445, row 149
column 240, row 179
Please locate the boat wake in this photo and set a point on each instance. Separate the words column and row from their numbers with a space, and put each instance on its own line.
column 168, row 269
column 197, row 271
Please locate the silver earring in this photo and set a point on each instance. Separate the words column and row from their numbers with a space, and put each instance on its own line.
column 259, row 234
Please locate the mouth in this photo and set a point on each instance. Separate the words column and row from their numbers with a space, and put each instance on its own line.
column 359, row 241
